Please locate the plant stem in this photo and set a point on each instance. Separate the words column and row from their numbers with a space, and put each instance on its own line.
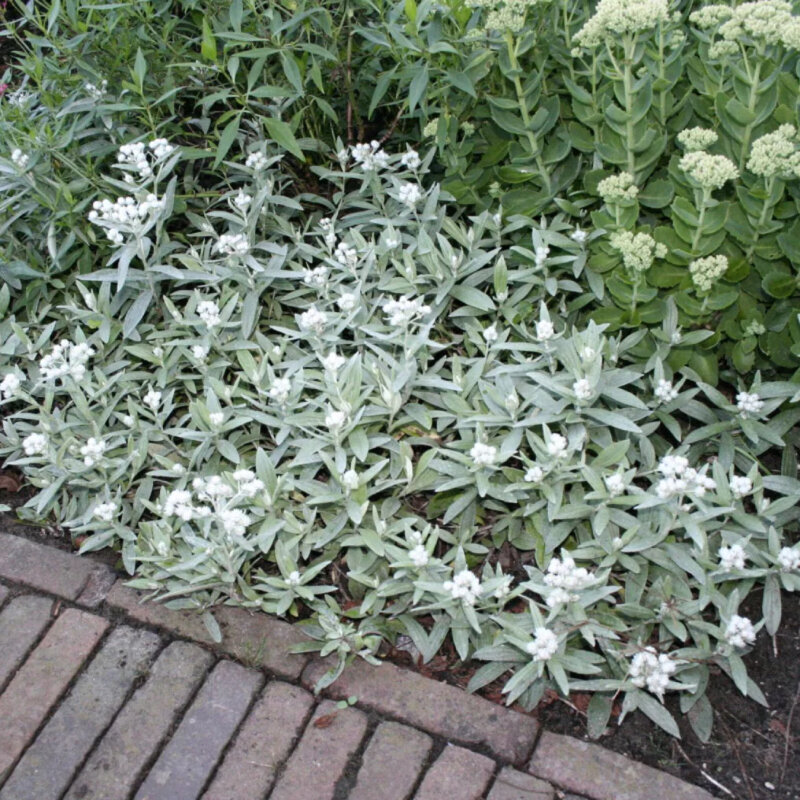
column 698, row 232
column 751, row 107
column 627, row 78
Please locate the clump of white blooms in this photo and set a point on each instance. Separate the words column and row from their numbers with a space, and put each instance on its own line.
column 256, row 161
column 789, row 559
column 134, row 157
column 765, row 22
column 216, row 418
column 652, row 670
column 490, row 334
column 93, row 451
column 317, row 277
column 579, row 236
column 335, row 419
column 19, row 158
column 124, row 215
column 582, row 389
column 740, row 486
column 557, row 445
column 615, row 18
column 617, row 188
column 403, row 311
column 697, row 139
column 740, row 632
column 279, row 391
column 776, row 153
column 542, row 253
column 411, row 160
column 178, row 503
column 208, row 311
column 638, row 250
column 534, row 474
column 105, row 512
column 232, row 244
column 370, row 156
column 679, row 478
column 708, row 170
column 35, row 444
column 333, row 362
column 483, row 455
column 346, row 254
column 665, row 391
column 544, row 330
column 9, row 386
column 351, row 480
column 409, row 194
column 503, row 15
column 465, row 586
column 707, row 271
column 152, row 399
column 732, row 557
column 544, row 645
column 313, row 320
column 347, row 301
column 749, row 403
column 615, row 484
column 565, row 578
column 418, row 556
column 234, row 521
column 66, row 359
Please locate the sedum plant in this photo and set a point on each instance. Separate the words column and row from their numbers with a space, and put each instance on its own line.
column 358, row 407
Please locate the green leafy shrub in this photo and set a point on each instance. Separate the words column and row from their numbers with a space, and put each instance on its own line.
column 354, row 402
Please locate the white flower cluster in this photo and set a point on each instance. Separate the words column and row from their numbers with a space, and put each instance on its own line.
column 125, row 214
column 557, row 445
column 708, row 170
column 9, row 386
column 369, row 156
column 94, row 91
column 749, row 403
column 534, row 474
column 789, row 559
column 256, row 161
column 698, row 138
column 317, row 277
column 312, row 320
column 732, row 557
column 491, row 334
column 707, row 271
column 544, row 330
column 134, row 157
column 565, row 578
column 409, row 194
column 152, row 399
column 740, row 486
column 179, row 503
column 280, row 389
column 346, row 254
column 665, row 391
column 776, row 153
column 105, row 512
column 614, row 18
column 208, row 311
column 411, row 160
column 652, row 669
column 616, row 485
column 93, row 451
column 679, row 478
column 35, row 444
column 66, row 358
column 403, row 311
column 232, row 244
column 333, row 362
column 464, row 586
column 764, row 22
column 418, row 556
column 503, row 15
column 638, row 250
column 19, row 158
column 740, row 632
column 544, row 645
column 617, row 188
column 483, row 455
column 335, row 419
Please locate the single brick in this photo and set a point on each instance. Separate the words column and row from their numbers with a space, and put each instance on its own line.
column 43, row 678
column 253, row 638
column 392, row 762
column 321, row 757
column 46, row 769
column 591, row 770
column 435, row 707
column 43, row 567
column 22, row 622
column 112, row 770
column 457, row 773
column 186, row 763
column 101, row 579
column 262, row 745
column 513, row 785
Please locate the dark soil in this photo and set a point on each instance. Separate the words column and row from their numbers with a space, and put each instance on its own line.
column 753, row 752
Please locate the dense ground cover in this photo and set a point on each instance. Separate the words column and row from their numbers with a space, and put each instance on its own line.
column 413, row 320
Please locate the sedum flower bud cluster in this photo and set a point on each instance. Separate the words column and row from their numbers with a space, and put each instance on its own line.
column 776, row 154
column 617, row 188
column 615, row 18
column 765, row 22
column 638, row 250
column 710, row 171
column 707, row 271
column 693, row 139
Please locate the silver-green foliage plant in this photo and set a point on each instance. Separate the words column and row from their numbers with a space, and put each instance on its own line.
column 333, row 403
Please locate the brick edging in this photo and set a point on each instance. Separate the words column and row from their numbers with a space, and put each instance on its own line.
column 423, row 703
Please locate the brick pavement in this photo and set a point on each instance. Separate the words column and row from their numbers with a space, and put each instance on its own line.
column 102, row 698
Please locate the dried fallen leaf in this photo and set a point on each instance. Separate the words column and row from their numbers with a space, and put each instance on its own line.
column 325, row 721
column 9, row 483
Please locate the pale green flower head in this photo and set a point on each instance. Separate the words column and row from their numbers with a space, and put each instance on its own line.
column 614, row 18
column 693, row 139
column 775, row 153
column 764, row 22
column 638, row 250
column 707, row 271
column 617, row 188
column 430, row 128
column 710, row 171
